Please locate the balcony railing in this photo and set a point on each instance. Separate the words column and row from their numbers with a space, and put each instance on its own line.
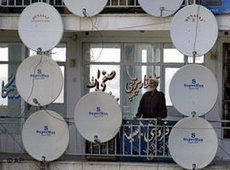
column 59, row 3
column 143, row 140
column 113, row 6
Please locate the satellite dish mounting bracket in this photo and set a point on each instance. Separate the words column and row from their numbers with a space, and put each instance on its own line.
column 193, row 166
column 194, row 53
column 193, row 114
column 96, row 140
column 162, row 9
column 84, row 12
column 39, row 51
column 43, row 164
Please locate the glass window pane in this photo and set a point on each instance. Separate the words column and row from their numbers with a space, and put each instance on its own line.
column 3, row 53
column 31, row 52
column 172, row 55
column 136, row 80
column 4, row 81
column 12, row 52
column 169, row 72
column 190, row 59
column 102, row 52
column 143, row 53
column 60, row 98
column 199, row 59
column 59, row 54
column 109, row 74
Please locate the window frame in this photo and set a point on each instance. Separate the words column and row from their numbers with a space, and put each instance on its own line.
column 163, row 66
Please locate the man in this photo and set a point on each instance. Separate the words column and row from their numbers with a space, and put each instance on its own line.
column 152, row 104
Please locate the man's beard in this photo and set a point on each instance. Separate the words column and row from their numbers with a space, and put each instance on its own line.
column 152, row 88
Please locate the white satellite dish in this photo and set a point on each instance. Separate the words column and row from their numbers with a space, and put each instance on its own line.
column 160, row 8
column 193, row 89
column 85, row 8
column 45, row 135
column 40, row 26
column 194, row 30
column 39, row 80
column 98, row 117
column 193, row 143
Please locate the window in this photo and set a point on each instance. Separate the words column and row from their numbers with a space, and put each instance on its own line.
column 11, row 56
column 134, row 64
column 11, row 104
column 101, row 61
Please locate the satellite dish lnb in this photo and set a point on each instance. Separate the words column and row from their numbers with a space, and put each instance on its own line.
column 40, row 27
column 193, row 143
column 39, row 80
column 160, row 8
column 85, row 8
column 98, row 117
column 193, row 89
column 45, row 135
column 194, row 30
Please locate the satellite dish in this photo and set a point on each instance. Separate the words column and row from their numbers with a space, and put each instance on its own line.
column 85, row 8
column 193, row 89
column 194, row 30
column 39, row 80
column 98, row 117
column 160, row 8
column 45, row 135
column 193, row 143
column 40, row 26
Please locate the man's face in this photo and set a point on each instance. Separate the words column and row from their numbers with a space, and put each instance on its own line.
column 152, row 84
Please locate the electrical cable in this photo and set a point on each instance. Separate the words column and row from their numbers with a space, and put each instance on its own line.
column 32, row 88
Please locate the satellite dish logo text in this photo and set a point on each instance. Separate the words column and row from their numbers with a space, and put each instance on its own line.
column 193, row 139
column 46, row 131
column 39, row 75
column 193, row 85
column 98, row 113
column 40, row 18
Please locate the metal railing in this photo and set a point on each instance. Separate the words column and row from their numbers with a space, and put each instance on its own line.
column 59, row 3
column 128, row 6
column 143, row 140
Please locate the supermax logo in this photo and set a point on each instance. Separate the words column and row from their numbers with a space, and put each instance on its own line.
column 39, row 75
column 193, row 85
column 193, row 139
column 45, row 131
column 98, row 113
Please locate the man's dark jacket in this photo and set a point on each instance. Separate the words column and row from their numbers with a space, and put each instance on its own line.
column 152, row 105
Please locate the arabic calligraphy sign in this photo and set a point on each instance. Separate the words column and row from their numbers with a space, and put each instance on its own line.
column 134, row 86
column 9, row 89
column 99, row 83
column 146, row 138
